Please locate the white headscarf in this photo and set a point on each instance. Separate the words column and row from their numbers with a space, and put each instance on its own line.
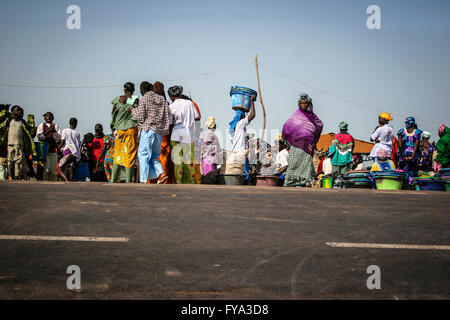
column 426, row 135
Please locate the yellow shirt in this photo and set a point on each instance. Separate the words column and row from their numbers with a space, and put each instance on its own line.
column 383, row 166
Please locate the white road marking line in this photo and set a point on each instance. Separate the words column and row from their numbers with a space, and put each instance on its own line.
column 261, row 219
column 386, row 246
column 63, row 238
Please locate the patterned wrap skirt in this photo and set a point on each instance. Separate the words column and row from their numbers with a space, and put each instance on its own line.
column 300, row 171
column 126, row 147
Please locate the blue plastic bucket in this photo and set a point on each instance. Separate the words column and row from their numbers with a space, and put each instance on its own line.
column 241, row 98
column 41, row 150
column 81, row 171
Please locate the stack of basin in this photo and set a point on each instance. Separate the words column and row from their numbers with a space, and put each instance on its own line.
column 429, row 183
column 358, row 179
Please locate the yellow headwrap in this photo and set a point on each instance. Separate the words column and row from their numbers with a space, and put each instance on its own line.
column 386, row 116
column 210, row 123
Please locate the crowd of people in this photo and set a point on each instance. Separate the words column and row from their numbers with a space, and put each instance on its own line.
column 153, row 140
column 409, row 151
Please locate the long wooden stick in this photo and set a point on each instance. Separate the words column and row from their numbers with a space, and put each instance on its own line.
column 261, row 100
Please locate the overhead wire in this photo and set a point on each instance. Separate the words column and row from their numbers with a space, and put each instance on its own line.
column 338, row 97
column 355, row 103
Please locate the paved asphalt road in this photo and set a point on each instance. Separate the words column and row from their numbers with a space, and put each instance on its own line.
column 221, row 242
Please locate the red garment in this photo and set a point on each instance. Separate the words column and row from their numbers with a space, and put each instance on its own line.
column 320, row 167
column 394, row 155
column 95, row 149
column 49, row 138
column 344, row 138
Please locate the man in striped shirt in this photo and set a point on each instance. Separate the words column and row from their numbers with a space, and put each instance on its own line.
column 153, row 117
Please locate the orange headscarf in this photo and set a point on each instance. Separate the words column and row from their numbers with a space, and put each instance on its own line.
column 386, row 116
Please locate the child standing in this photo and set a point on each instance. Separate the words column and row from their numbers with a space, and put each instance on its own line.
column 49, row 132
column 70, row 146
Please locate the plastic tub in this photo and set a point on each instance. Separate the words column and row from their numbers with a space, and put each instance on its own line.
column 447, row 186
column 430, row 185
column 269, row 181
column 231, row 179
column 327, row 183
column 387, row 183
column 81, row 171
column 241, row 98
column 41, row 150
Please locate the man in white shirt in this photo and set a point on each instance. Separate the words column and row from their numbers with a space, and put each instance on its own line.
column 240, row 131
column 236, row 159
column 183, row 115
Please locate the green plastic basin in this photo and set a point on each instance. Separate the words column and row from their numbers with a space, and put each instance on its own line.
column 389, row 184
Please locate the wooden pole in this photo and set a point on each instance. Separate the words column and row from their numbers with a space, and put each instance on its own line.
column 260, row 99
